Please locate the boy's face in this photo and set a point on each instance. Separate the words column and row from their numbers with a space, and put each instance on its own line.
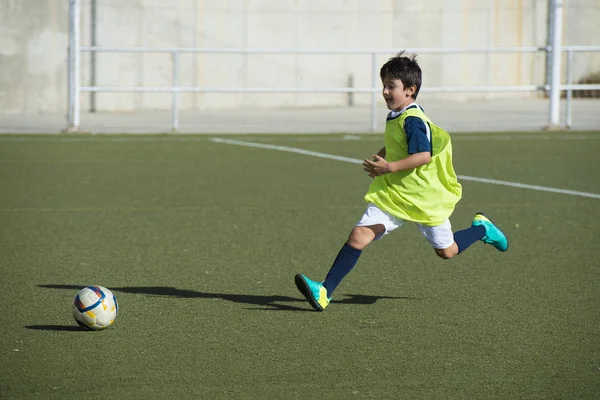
column 396, row 96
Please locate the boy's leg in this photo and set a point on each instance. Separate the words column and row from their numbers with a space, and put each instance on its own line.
column 482, row 229
column 319, row 294
column 467, row 237
column 373, row 225
column 441, row 239
column 359, row 238
column 462, row 240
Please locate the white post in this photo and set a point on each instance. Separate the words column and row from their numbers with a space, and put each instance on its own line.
column 175, row 103
column 70, row 51
column 374, row 77
column 569, row 110
column 554, row 122
column 93, row 43
column 73, row 67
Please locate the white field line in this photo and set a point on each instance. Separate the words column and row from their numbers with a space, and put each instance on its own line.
column 357, row 161
column 288, row 149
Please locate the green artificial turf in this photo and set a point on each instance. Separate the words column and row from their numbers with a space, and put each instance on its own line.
column 200, row 242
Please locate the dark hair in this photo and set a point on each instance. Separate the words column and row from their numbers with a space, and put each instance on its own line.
column 404, row 68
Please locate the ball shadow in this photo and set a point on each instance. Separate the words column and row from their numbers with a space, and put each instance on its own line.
column 264, row 302
column 62, row 328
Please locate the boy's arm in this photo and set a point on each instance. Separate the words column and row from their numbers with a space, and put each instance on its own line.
column 380, row 166
column 381, row 153
column 419, row 150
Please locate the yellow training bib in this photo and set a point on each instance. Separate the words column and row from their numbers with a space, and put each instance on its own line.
column 427, row 194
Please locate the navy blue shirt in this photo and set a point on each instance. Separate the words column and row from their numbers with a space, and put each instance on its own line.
column 418, row 134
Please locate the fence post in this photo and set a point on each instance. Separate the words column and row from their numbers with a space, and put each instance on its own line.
column 373, row 93
column 351, row 94
column 93, row 43
column 549, row 36
column 175, row 103
column 73, row 65
column 569, row 108
column 554, row 122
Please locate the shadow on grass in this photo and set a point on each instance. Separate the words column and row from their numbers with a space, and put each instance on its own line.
column 264, row 302
column 64, row 328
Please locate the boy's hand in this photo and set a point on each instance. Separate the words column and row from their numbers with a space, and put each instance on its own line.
column 379, row 166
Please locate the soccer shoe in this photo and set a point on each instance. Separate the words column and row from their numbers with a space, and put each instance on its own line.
column 315, row 292
column 493, row 235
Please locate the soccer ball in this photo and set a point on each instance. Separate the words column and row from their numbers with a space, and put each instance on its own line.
column 95, row 308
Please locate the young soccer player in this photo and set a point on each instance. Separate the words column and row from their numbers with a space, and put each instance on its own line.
column 414, row 180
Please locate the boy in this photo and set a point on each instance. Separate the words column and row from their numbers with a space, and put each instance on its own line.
column 414, row 180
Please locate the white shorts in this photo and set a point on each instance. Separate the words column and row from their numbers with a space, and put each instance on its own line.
column 439, row 236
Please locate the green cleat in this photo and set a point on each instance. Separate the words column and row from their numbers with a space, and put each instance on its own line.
column 315, row 292
column 493, row 235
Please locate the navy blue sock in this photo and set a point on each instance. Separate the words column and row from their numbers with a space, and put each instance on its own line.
column 344, row 262
column 468, row 236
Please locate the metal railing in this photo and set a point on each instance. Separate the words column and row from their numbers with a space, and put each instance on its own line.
column 570, row 87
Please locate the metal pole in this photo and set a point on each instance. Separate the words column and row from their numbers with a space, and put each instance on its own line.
column 93, row 43
column 556, row 64
column 77, row 64
column 373, row 93
column 569, row 116
column 350, row 94
column 175, row 104
column 549, row 36
column 70, row 68
column 74, row 63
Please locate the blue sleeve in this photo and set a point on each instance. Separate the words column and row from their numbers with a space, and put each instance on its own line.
column 416, row 135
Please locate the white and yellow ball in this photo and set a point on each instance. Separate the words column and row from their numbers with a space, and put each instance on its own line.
column 95, row 307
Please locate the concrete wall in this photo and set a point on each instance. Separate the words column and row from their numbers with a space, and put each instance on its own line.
column 33, row 40
column 33, row 52
column 582, row 28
